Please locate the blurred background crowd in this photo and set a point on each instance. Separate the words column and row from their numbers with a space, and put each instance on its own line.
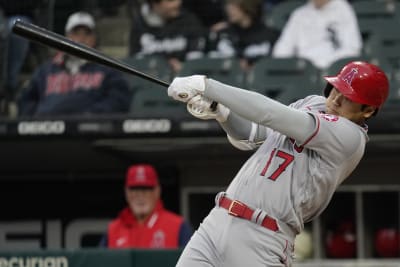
column 278, row 47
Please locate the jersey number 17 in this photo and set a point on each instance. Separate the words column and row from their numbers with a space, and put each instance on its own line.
column 287, row 159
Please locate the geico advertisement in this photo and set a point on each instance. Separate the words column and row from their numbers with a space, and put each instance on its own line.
column 57, row 261
column 50, row 234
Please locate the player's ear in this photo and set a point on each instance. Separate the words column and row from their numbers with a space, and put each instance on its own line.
column 369, row 111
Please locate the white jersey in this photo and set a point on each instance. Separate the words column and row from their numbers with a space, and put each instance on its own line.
column 292, row 176
column 321, row 35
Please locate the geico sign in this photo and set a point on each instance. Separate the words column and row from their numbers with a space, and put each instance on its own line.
column 34, row 262
column 41, row 127
column 146, row 126
column 50, row 234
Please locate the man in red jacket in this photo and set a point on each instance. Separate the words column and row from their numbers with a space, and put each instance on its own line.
column 145, row 223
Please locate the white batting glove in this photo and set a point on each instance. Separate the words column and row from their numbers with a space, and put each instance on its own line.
column 184, row 88
column 199, row 106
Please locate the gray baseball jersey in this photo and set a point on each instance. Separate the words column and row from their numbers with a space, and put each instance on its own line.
column 304, row 156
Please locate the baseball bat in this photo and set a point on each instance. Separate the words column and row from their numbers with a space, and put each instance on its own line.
column 57, row 41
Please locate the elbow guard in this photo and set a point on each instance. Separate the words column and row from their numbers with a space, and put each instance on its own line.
column 243, row 144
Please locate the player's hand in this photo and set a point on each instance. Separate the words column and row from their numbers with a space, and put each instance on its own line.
column 199, row 106
column 184, row 88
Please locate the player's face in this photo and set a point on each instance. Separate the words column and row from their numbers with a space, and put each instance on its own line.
column 338, row 104
column 142, row 200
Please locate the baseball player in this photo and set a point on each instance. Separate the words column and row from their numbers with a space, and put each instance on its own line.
column 303, row 152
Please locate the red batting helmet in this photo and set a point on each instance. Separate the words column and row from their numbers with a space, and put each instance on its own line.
column 361, row 82
column 342, row 242
column 387, row 242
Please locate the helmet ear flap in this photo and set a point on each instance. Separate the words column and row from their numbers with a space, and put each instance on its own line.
column 328, row 89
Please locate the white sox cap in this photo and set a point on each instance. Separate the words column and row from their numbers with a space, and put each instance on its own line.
column 80, row 19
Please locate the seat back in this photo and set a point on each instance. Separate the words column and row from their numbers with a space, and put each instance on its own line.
column 374, row 15
column 155, row 66
column 284, row 79
column 226, row 70
column 155, row 103
column 280, row 13
column 394, row 93
column 385, row 45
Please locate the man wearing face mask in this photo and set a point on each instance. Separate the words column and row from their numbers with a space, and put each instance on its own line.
column 68, row 85
column 145, row 223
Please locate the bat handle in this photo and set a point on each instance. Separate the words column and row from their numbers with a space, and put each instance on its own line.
column 213, row 106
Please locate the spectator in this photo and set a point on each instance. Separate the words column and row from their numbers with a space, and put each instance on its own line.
column 321, row 31
column 245, row 36
column 69, row 85
column 17, row 47
column 163, row 27
column 145, row 223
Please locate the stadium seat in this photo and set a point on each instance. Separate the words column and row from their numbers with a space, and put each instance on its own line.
column 394, row 93
column 385, row 45
column 152, row 102
column 373, row 15
column 284, row 79
column 280, row 13
column 226, row 70
column 154, row 66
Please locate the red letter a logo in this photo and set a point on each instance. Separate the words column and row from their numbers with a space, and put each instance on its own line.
column 348, row 77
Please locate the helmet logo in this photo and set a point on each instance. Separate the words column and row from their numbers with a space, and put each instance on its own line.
column 349, row 76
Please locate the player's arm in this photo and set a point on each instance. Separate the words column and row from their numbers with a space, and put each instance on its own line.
column 262, row 110
column 249, row 105
column 242, row 133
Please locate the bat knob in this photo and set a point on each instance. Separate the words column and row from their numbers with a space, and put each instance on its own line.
column 183, row 95
column 213, row 106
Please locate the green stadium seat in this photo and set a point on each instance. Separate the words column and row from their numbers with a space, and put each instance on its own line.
column 373, row 15
column 284, row 79
column 280, row 13
column 385, row 45
column 156, row 103
column 154, row 66
column 394, row 93
column 226, row 70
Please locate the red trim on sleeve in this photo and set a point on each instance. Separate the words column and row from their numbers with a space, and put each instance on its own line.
column 315, row 133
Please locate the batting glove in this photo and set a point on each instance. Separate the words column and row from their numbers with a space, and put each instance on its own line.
column 184, row 88
column 199, row 106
